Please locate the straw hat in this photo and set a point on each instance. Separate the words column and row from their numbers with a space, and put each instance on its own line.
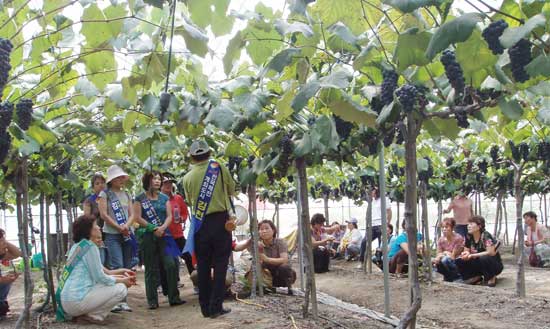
column 115, row 171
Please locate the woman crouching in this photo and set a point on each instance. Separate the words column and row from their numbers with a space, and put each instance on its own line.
column 273, row 255
column 87, row 292
column 480, row 257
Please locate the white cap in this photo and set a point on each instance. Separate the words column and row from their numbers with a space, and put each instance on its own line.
column 115, row 171
column 199, row 147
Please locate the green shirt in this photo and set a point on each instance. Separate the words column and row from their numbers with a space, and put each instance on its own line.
column 192, row 183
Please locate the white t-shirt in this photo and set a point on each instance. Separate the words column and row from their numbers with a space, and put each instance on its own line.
column 356, row 238
column 377, row 211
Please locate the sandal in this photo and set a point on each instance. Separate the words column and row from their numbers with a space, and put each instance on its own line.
column 492, row 282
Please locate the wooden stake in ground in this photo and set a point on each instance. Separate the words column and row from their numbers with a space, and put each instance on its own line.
column 48, row 263
column 426, row 229
column 367, row 263
column 505, row 212
column 383, row 207
column 22, row 200
column 256, row 266
column 325, row 204
column 311, row 290
column 520, row 280
column 410, row 132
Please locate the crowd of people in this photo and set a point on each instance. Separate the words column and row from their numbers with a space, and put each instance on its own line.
column 118, row 233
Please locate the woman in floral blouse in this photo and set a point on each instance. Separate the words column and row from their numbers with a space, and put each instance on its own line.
column 480, row 257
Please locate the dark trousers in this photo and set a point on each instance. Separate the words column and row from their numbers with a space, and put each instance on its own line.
column 283, row 275
column 486, row 266
column 154, row 258
column 376, row 234
column 462, row 230
column 401, row 258
column 213, row 248
column 186, row 257
column 321, row 260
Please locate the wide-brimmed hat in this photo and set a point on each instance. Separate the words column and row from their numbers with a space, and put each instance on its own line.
column 115, row 171
column 199, row 147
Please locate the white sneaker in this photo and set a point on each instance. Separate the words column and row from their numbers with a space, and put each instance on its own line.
column 125, row 307
column 117, row 308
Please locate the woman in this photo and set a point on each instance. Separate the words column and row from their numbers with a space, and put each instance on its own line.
column 338, row 236
column 398, row 253
column 537, row 238
column 8, row 251
column 86, row 292
column 319, row 240
column 449, row 246
column 480, row 257
column 114, row 209
column 273, row 255
column 351, row 243
column 91, row 207
column 153, row 212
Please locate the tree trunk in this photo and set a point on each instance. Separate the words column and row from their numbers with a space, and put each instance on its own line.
column 520, row 280
column 22, row 200
column 48, row 263
column 367, row 263
column 70, row 220
column 498, row 217
column 311, row 289
column 427, row 259
column 409, row 318
column 382, row 184
column 438, row 223
column 545, row 211
column 256, row 265
column 277, row 216
column 58, row 234
column 505, row 212
column 397, row 226
column 325, row 204
column 300, row 249
column 42, row 308
column 475, row 204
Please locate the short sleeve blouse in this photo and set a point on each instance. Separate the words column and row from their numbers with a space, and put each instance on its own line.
column 486, row 240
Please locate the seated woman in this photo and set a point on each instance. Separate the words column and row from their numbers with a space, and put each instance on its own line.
column 352, row 246
column 537, row 238
column 338, row 236
column 8, row 251
column 86, row 292
column 378, row 257
column 398, row 253
column 319, row 240
column 449, row 246
column 273, row 255
column 480, row 257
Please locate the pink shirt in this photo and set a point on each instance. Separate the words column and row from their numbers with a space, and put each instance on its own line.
column 462, row 209
column 444, row 245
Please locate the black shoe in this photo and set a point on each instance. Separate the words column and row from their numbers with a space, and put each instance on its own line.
column 153, row 306
column 205, row 312
column 179, row 302
column 290, row 292
column 219, row 313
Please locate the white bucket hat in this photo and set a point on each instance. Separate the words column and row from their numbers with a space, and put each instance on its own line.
column 199, row 147
column 115, row 171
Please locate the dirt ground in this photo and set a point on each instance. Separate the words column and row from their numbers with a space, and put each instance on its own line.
column 445, row 305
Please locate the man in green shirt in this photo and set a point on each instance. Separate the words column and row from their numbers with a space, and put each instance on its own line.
column 212, row 240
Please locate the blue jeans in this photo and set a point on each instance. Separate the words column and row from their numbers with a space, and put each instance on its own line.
column 4, row 291
column 352, row 251
column 448, row 268
column 119, row 253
